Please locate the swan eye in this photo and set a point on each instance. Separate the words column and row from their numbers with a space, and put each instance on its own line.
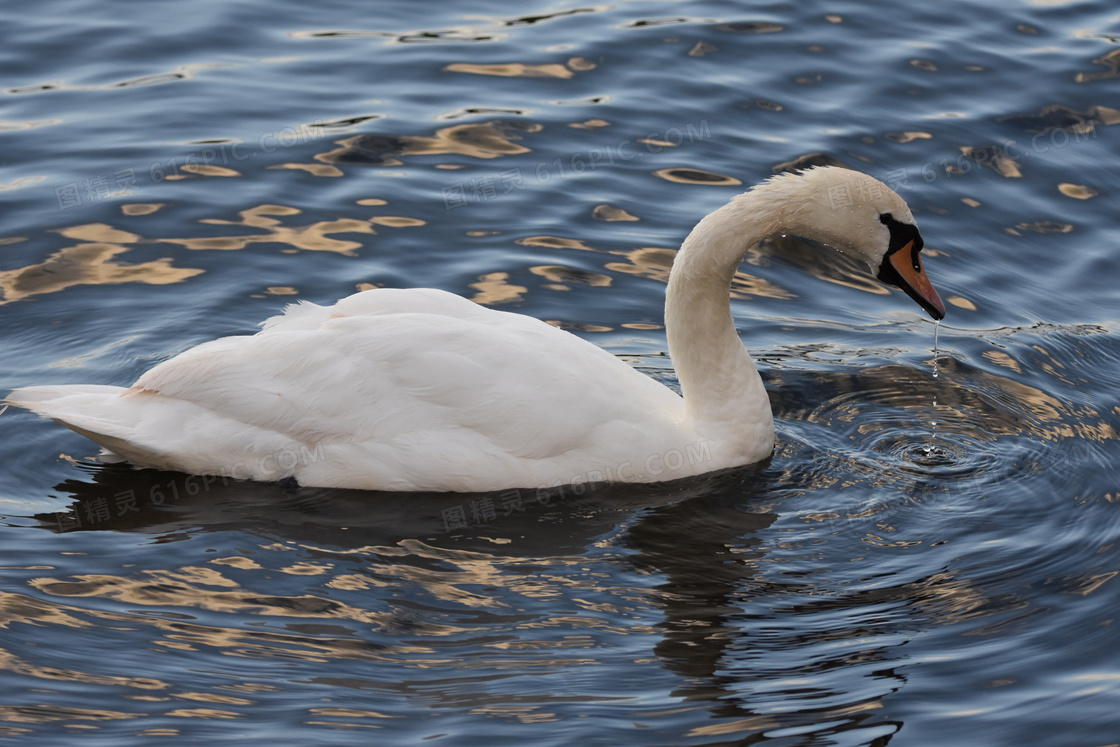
column 902, row 236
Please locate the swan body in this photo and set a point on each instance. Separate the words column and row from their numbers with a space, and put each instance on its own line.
column 424, row 390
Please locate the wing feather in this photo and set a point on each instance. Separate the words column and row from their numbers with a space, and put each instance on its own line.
column 400, row 389
column 372, row 371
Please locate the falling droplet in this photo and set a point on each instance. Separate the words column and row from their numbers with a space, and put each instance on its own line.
column 936, row 331
column 930, row 449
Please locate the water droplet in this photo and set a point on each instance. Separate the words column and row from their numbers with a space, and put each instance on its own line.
column 936, row 331
column 933, row 423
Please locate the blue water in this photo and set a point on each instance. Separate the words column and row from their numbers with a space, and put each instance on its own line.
column 928, row 558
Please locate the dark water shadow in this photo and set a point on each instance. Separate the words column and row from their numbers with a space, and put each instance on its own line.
column 536, row 522
column 682, row 531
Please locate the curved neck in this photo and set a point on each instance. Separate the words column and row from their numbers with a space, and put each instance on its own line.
column 719, row 381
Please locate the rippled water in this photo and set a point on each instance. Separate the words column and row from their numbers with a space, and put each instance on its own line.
column 928, row 558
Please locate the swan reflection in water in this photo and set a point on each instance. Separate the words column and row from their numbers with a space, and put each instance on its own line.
column 394, row 565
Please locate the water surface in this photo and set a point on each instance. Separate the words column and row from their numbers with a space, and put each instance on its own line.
column 928, row 558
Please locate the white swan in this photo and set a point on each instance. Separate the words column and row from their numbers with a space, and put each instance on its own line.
column 423, row 390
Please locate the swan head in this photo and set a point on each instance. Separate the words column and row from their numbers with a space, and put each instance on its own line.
column 858, row 215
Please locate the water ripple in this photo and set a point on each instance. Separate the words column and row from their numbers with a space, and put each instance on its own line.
column 929, row 559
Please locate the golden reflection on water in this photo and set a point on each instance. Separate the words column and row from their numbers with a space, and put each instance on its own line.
column 696, row 176
column 141, row 208
column 742, row 726
column 908, row 136
column 317, row 237
column 494, row 288
column 478, row 140
column 205, row 169
column 590, row 124
column 522, row 70
column 1003, row 359
column 23, row 181
column 92, row 261
column 1077, row 191
column 511, row 70
column 193, row 588
column 394, row 221
column 237, row 561
column 1110, row 61
column 315, row 169
column 554, row 242
column 961, row 303
column 43, row 714
column 611, row 213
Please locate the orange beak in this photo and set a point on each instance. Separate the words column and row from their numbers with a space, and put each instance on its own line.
column 908, row 264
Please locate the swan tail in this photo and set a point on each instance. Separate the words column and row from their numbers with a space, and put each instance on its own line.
column 92, row 410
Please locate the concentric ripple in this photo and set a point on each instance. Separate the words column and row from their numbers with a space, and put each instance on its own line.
column 902, row 427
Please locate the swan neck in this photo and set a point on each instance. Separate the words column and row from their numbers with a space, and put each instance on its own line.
column 719, row 381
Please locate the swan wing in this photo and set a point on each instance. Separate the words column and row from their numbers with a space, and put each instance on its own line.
column 401, row 384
